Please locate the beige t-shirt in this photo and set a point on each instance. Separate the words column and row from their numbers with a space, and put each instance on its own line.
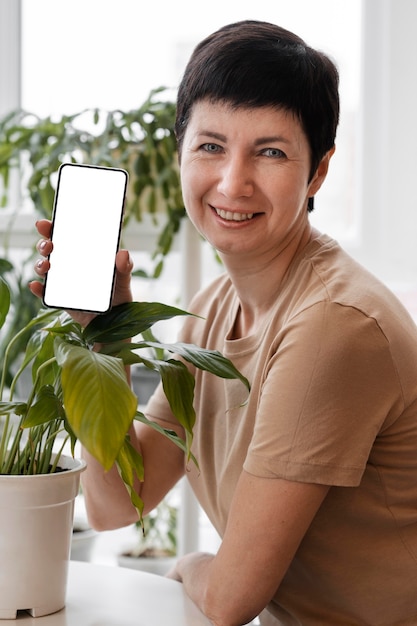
column 333, row 401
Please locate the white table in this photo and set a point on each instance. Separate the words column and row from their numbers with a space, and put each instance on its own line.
column 100, row 595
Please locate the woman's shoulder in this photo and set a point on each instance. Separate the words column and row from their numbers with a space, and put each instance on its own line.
column 327, row 272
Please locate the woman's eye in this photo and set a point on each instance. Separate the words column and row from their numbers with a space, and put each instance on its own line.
column 274, row 153
column 211, row 147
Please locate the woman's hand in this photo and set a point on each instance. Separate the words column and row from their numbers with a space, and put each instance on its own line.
column 124, row 266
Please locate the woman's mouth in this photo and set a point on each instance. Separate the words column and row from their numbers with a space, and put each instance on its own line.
column 233, row 216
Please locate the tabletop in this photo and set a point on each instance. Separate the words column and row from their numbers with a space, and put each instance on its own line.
column 101, row 595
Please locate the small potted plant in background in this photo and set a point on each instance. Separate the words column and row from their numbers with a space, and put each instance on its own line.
column 78, row 394
column 155, row 549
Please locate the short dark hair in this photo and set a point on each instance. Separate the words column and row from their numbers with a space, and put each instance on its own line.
column 255, row 64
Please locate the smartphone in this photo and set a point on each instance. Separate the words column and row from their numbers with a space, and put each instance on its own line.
column 86, row 226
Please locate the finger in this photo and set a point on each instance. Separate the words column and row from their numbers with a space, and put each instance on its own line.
column 124, row 263
column 36, row 288
column 44, row 228
column 44, row 247
column 41, row 267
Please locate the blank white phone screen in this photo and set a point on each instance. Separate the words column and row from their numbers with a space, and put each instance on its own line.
column 86, row 226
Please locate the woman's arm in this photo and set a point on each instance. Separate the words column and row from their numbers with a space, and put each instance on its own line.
column 107, row 500
column 267, row 521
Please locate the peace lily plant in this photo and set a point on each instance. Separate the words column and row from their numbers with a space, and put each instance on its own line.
column 79, row 393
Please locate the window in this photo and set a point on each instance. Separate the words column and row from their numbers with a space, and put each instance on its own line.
column 97, row 53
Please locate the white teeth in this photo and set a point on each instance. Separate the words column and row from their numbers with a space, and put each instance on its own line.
column 232, row 216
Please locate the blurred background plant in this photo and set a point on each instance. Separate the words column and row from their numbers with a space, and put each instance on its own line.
column 158, row 537
column 142, row 141
column 32, row 148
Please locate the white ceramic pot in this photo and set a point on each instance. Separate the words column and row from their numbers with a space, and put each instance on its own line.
column 36, row 520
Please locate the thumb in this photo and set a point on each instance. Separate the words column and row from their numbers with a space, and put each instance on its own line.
column 124, row 262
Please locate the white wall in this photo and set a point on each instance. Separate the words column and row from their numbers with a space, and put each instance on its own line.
column 388, row 159
column 9, row 55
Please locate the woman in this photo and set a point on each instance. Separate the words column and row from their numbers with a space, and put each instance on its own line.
column 312, row 484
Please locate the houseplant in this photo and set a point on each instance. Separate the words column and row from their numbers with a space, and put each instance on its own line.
column 80, row 394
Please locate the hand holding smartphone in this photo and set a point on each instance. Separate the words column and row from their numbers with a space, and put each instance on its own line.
column 86, row 227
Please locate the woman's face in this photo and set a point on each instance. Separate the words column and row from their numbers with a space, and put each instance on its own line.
column 245, row 177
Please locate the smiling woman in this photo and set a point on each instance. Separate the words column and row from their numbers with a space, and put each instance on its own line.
column 302, row 324
column 329, row 432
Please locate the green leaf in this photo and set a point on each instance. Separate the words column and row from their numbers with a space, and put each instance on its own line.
column 34, row 346
column 69, row 328
column 152, row 200
column 209, row 360
column 141, row 165
column 98, row 401
column 4, row 301
column 129, row 463
column 178, row 386
column 6, row 151
column 40, row 349
column 44, row 353
column 128, row 320
column 47, row 407
column 169, row 434
column 134, row 469
column 157, row 270
column 5, row 266
column 160, row 162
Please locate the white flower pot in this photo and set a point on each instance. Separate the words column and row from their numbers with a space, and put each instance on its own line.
column 36, row 519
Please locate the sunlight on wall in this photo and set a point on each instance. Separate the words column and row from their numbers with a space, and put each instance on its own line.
column 111, row 54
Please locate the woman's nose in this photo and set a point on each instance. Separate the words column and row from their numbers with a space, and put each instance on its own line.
column 235, row 179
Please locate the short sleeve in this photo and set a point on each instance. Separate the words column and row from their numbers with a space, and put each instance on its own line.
column 329, row 387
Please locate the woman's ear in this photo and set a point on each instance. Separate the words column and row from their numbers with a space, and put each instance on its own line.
column 320, row 173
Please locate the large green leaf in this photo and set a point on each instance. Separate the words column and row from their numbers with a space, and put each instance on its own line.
column 209, row 360
column 4, row 301
column 128, row 320
column 98, row 401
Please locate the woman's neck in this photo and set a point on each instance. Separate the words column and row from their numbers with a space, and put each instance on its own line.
column 258, row 284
